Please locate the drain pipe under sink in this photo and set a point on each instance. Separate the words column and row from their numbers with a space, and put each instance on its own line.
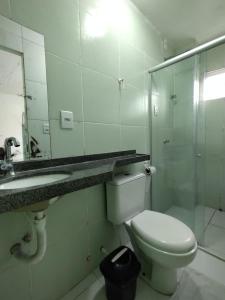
column 39, row 224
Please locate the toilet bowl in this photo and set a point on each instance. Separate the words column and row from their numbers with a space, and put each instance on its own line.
column 166, row 242
column 162, row 243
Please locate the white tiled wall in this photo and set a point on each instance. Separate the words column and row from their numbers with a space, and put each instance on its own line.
column 90, row 44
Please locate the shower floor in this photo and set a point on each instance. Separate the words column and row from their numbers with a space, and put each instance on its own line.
column 209, row 225
column 214, row 236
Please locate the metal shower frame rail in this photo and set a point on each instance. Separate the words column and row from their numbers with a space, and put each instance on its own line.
column 216, row 42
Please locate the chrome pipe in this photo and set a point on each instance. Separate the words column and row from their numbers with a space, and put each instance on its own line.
column 216, row 42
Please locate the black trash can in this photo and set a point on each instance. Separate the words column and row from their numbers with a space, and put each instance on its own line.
column 120, row 270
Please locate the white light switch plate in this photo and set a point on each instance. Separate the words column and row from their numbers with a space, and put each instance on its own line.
column 67, row 119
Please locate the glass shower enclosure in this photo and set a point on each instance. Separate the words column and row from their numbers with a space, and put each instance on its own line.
column 188, row 144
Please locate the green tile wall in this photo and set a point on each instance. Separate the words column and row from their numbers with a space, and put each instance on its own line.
column 5, row 8
column 83, row 68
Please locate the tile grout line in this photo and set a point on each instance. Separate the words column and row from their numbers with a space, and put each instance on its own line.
column 10, row 10
column 212, row 216
column 81, row 74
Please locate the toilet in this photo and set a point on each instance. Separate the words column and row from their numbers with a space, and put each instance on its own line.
column 162, row 243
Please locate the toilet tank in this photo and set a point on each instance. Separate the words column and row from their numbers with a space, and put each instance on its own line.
column 125, row 197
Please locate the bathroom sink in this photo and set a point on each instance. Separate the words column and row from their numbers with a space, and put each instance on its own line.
column 34, row 180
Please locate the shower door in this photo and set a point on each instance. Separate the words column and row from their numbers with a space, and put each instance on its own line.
column 188, row 145
column 211, row 147
column 175, row 127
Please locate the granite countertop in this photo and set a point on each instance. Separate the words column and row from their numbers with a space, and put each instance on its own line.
column 83, row 171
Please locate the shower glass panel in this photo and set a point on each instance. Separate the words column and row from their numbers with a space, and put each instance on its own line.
column 175, row 107
column 211, row 140
column 188, row 145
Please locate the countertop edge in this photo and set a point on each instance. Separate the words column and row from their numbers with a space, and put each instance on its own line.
column 14, row 200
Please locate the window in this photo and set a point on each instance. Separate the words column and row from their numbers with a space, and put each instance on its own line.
column 214, row 85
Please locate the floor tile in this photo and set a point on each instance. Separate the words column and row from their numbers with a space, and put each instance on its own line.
column 209, row 265
column 214, row 239
column 193, row 285
column 95, row 292
column 144, row 291
column 209, row 212
column 197, row 286
column 202, row 280
column 97, row 273
column 80, row 287
column 219, row 219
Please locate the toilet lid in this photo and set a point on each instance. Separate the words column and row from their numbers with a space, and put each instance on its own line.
column 163, row 232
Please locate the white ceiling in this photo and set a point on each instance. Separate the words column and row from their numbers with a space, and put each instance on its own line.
column 186, row 22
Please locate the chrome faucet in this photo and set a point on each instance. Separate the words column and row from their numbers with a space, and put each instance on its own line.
column 6, row 164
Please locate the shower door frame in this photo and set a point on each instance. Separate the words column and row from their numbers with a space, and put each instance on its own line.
column 197, row 95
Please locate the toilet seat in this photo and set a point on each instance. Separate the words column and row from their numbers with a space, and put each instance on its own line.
column 163, row 232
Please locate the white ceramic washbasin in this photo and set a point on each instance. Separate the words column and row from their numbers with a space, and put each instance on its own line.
column 33, row 181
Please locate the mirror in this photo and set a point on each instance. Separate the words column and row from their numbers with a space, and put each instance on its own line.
column 12, row 112
column 23, row 92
